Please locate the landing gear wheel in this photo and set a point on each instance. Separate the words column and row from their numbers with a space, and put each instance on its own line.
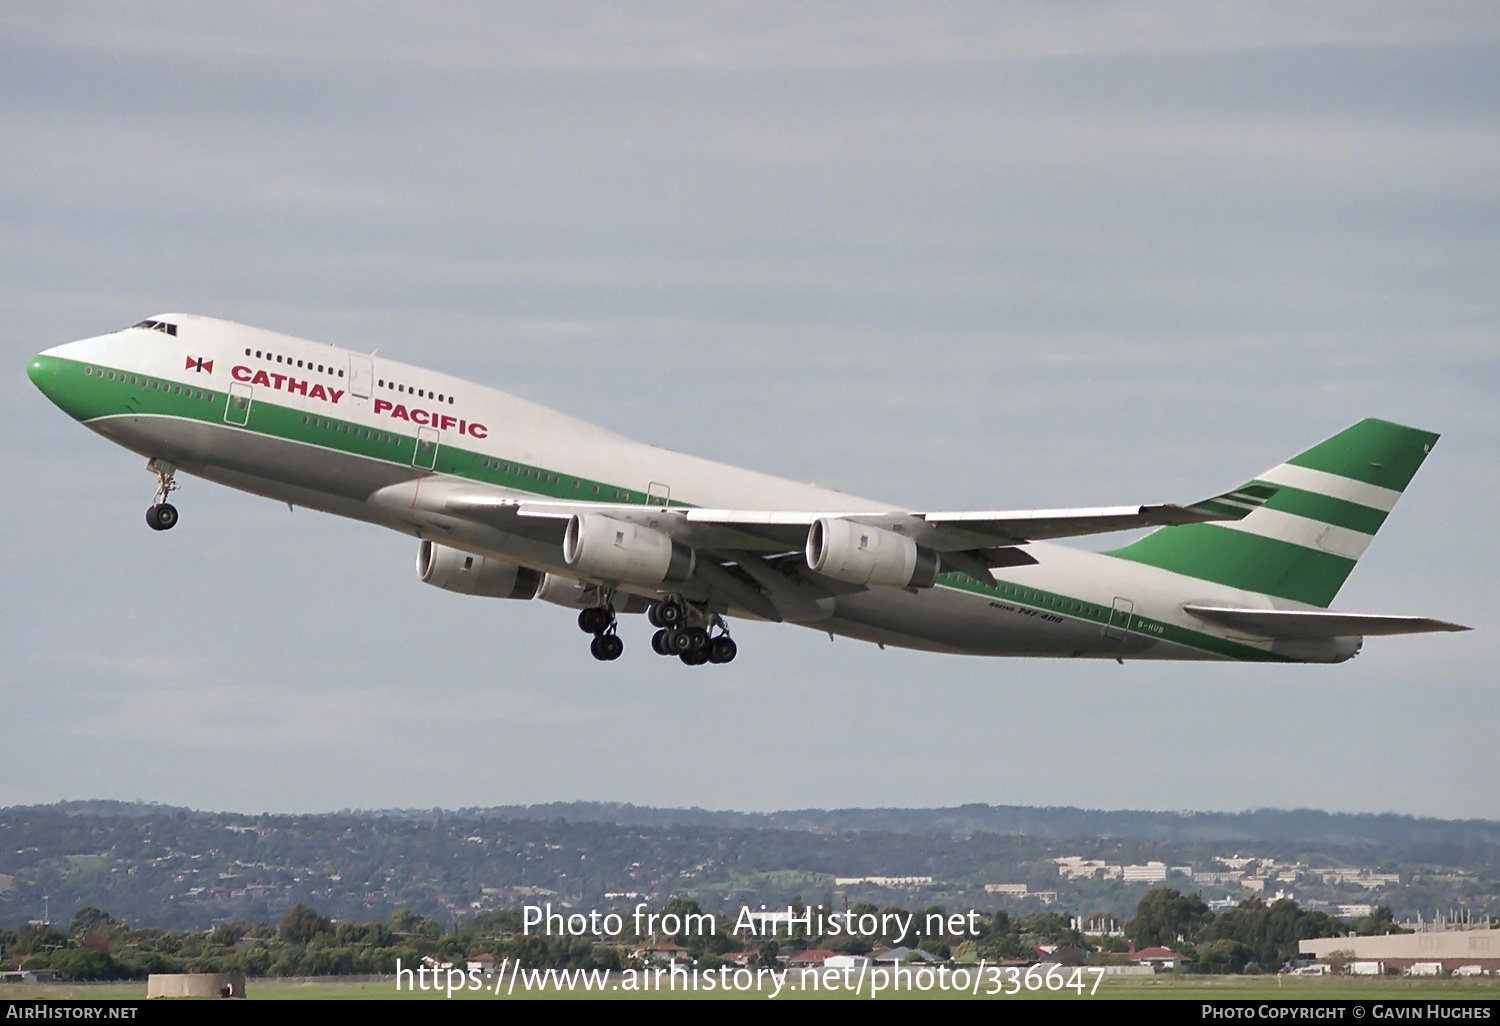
column 607, row 647
column 679, row 642
column 594, row 620
column 661, row 643
column 696, row 657
column 161, row 517
column 722, row 649
column 667, row 613
column 699, row 638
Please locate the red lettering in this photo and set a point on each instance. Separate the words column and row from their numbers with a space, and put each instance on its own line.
column 381, row 405
column 279, row 379
column 317, row 393
column 240, row 373
column 447, row 423
column 335, row 394
column 479, row 431
column 419, row 416
column 463, row 427
column 293, row 385
column 260, row 379
column 400, row 411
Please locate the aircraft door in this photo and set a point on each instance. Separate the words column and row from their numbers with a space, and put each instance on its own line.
column 237, row 410
column 361, row 376
column 1119, row 618
column 658, row 494
column 424, row 457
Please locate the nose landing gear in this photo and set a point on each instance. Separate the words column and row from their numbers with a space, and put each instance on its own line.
column 162, row 515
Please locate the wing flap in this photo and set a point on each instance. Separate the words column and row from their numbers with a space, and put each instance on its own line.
column 1298, row 624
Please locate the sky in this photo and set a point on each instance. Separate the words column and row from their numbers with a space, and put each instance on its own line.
column 988, row 256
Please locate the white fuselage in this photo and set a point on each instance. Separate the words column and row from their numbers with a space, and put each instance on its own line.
column 549, row 455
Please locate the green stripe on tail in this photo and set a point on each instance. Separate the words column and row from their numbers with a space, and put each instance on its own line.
column 1297, row 531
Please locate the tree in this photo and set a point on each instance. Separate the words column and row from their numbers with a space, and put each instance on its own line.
column 88, row 919
column 302, row 924
column 1379, row 922
column 409, row 923
column 1163, row 915
column 1224, row 956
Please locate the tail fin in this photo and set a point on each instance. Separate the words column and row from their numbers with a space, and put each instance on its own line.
column 1304, row 524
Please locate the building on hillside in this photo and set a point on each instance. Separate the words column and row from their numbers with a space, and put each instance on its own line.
column 1151, row 872
column 1232, row 877
column 1009, row 890
column 1076, row 867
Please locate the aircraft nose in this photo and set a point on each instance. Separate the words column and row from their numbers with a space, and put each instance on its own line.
column 43, row 372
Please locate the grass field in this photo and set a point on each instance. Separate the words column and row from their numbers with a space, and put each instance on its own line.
column 1165, row 987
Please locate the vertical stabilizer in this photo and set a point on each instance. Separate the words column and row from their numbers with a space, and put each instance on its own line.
column 1309, row 519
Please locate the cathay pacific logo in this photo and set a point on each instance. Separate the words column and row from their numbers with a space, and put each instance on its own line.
column 199, row 364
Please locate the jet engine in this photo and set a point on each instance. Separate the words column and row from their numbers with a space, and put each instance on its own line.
column 607, row 549
column 468, row 574
column 852, row 552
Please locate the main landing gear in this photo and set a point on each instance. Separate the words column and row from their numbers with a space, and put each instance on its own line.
column 680, row 634
column 162, row 515
column 600, row 622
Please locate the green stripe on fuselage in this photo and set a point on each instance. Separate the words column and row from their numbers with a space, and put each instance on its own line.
column 87, row 392
column 1076, row 609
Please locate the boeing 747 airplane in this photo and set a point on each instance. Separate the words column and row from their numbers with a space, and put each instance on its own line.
column 511, row 500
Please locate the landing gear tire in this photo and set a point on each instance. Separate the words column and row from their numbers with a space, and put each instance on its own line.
column 679, row 643
column 722, row 649
column 161, row 517
column 666, row 613
column 594, row 620
column 699, row 638
column 695, row 657
column 660, row 643
column 607, row 647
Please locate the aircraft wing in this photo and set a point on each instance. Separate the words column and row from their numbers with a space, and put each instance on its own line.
column 1298, row 624
column 783, row 530
column 753, row 558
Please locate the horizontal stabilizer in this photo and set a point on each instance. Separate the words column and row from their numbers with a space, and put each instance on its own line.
column 1298, row 624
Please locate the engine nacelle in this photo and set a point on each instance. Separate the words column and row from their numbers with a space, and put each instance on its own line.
column 607, row 549
column 852, row 552
column 468, row 574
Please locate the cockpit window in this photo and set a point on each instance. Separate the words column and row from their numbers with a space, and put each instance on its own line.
column 162, row 326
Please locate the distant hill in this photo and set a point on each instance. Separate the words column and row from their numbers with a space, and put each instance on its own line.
column 1306, row 825
column 173, row 868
